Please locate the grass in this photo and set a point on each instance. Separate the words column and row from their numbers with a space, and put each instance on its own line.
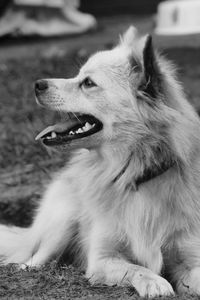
column 25, row 168
column 53, row 282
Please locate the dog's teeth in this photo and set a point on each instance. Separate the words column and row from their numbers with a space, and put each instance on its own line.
column 87, row 126
column 79, row 130
column 53, row 135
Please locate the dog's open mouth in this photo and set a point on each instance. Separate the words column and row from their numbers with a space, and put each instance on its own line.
column 77, row 126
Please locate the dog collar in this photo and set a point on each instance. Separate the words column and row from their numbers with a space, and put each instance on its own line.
column 153, row 172
column 149, row 173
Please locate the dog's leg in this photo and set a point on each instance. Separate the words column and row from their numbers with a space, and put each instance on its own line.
column 54, row 224
column 189, row 282
column 107, row 267
column 185, row 271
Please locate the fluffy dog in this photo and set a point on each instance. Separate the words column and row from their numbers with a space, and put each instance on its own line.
column 130, row 194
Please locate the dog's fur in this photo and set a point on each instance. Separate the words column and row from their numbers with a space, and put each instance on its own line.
column 131, row 227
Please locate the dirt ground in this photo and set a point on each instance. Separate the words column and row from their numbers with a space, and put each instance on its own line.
column 26, row 167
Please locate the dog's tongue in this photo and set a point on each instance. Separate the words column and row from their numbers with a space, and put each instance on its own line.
column 59, row 127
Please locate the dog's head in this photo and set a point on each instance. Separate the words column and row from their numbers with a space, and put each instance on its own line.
column 115, row 98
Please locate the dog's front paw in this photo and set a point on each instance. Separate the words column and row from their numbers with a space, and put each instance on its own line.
column 190, row 283
column 146, row 283
column 151, row 285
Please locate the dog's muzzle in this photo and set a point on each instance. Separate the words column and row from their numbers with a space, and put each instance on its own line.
column 76, row 129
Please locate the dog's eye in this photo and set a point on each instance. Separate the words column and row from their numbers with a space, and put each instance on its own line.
column 88, row 83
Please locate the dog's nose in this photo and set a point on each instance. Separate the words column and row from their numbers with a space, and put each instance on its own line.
column 41, row 86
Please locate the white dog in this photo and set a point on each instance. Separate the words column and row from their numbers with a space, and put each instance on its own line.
column 130, row 194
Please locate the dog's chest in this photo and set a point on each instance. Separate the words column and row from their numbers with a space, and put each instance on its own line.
column 136, row 220
column 144, row 229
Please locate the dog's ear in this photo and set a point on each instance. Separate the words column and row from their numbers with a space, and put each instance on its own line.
column 144, row 57
column 152, row 79
column 129, row 36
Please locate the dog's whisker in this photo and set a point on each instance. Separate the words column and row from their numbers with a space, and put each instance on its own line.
column 77, row 118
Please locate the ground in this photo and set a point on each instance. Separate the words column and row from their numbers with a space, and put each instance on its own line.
column 26, row 167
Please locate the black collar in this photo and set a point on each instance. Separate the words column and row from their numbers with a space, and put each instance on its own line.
column 153, row 172
column 149, row 173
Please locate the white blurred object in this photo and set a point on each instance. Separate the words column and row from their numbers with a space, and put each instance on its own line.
column 46, row 18
column 82, row 20
column 178, row 17
column 49, row 3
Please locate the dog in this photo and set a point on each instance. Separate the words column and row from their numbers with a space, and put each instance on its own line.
column 129, row 196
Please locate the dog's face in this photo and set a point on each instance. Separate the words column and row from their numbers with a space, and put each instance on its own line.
column 101, row 102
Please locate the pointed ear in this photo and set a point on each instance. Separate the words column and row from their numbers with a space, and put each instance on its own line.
column 129, row 36
column 152, row 75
